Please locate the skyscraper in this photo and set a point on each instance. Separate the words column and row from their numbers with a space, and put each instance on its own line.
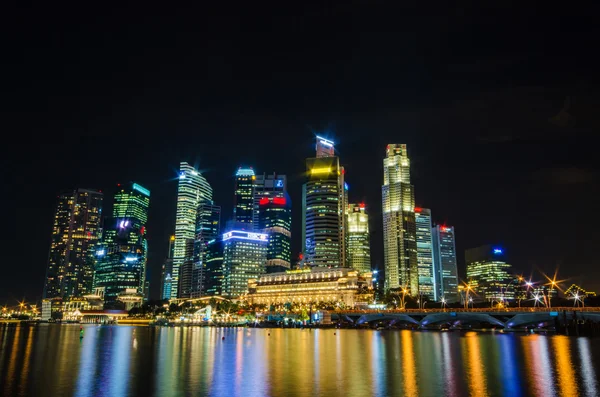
column 122, row 255
column 192, row 190
column 358, row 241
column 167, row 271
column 208, row 228
column 275, row 219
column 273, row 216
column 213, row 260
column 323, row 209
column 243, row 205
column 444, row 258
column 75, row 234
column 244, row 256
column 488, row 274
column 399, row 229
column 427, row 284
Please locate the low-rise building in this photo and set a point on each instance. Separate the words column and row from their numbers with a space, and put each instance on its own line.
column 321, row 284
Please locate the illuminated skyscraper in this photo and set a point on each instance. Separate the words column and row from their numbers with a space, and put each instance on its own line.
column 193, row 189
column 273, row 216
column 213, row 260
column 358, row 239
column 167, row 271
column 244, row 256
column 208, row 228
column 427, row 284
column 323, row 209
column 243, row 205
column 275, row 219
column 444, row 258
column 122, row 255
column 488, row 274
column 75, row 234
column 399, row 229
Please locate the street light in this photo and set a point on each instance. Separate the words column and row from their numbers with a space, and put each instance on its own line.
column 443, row 303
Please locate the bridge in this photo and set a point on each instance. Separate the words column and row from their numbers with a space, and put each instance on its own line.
column 508, row 318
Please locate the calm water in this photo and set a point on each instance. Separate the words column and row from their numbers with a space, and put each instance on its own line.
column 121, row 360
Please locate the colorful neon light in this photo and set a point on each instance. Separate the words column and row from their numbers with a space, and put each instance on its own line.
column 263, row 201
column 279, row 200
column 239, row 234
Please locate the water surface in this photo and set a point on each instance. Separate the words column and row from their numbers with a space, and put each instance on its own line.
column 51, row 359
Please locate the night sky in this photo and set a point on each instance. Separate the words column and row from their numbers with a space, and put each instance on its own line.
column 498, row 106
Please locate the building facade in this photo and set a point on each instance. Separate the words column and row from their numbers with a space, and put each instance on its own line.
column 121, row 257
column 358, row 239
column 488, row 275
column 167, row 271
column 208, row 228
column 214, row 267
column 323, row 209
column 425, row 263
column 192, row 190
column 243, row 204
column 342, row 286
column 75, row 235
column 399, row 228
column 444, row 257
column 275, row 220
column 244, row 257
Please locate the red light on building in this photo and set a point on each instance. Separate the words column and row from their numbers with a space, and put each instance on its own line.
column 418, row 209
column 279, row 200
column 263, row 201
column 362, row 205
column 142, row 230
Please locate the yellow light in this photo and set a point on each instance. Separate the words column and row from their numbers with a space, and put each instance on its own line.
column 324, row 170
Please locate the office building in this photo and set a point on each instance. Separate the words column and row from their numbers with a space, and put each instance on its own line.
column 244, row 256
column 427, row 284
column 323, row 209
column 488, row 275
column 75, row 234
column 213, row 266
column 275, row 220
column 192, row 190
column 243, row 204
column 358, row 239
column 121, row 257
column 208, row 228
column 444, row 259
column 267, row 186
column 399, row 229
column 167, row 271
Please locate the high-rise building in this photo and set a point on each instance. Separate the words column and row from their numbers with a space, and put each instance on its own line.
column 358, row 239
column 444, row 259
column 167, row 271
column 427, row 284
column 121, row 257
column 213, row 260
column 244, row 256
column 488, row 274
column 193, row 189
column 399, row 229
column 75, row 234
column 243, row 205
column 323, row 209
column 273, row 216
column 208, row 228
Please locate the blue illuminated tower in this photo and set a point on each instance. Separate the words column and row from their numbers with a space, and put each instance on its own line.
column 427, row 282
column 444, row 257
column 122, row 255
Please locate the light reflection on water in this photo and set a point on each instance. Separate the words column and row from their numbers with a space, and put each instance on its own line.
column 122, row 360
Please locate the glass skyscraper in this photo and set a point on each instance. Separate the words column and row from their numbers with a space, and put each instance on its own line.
column 208, row 228
column 358, row 241
column 444, row 257
column 427, row 284
column 167, row 271
column 488, row 274
column 75, row 234
column 213, row 260
column 193, row 189
column 244, row 256
column 399, row 229
column 121, row 257
column 243, row 205
column 273, row 216
column 323, row 209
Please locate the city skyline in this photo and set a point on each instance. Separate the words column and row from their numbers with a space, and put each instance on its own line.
column 485, row 117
